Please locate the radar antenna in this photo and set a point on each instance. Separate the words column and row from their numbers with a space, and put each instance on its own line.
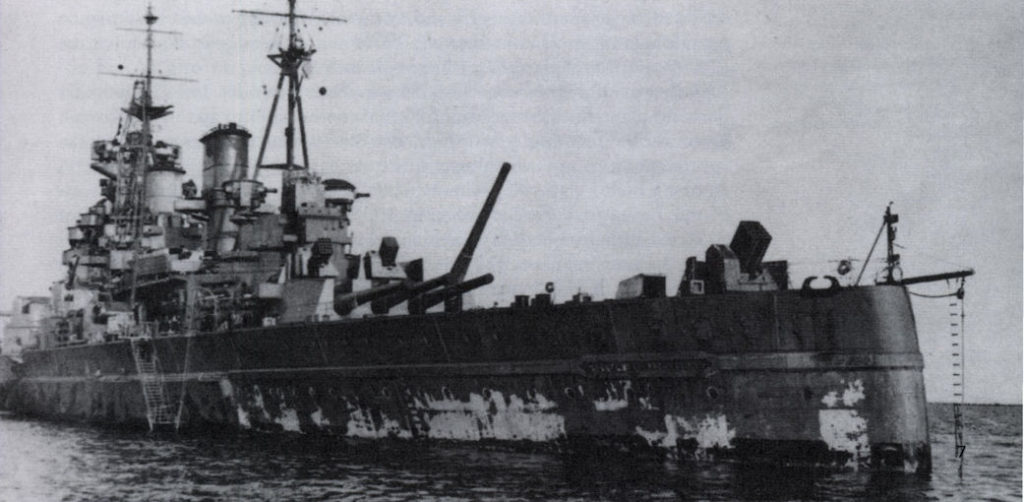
column 290, row 60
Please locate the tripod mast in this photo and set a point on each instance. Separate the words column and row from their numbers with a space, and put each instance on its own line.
column 289, row 60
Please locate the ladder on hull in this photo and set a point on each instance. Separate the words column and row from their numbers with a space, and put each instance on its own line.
column 159, row 411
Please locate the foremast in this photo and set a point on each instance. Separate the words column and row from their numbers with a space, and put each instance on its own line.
column 134, row 156
column 112, row 238
column 134, row 211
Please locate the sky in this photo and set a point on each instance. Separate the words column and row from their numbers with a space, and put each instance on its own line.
column 639, row 134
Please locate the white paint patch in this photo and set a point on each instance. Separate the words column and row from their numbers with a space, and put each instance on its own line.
column 257, row 398
column 675, row 428
column 830, row 399
column 710, row 432
column 493, row 417
column 668, row 438
column 613, row 399
column 645, row 404
column 318, row 418
column 228, row 391
column 843, row 429
column 653, row 438
column 715, row 431
column 361, row 424
column 289, row 420
column 478, row 417
column 455, row 419
column 243, row 418
column 852, row 394
column 610, row 404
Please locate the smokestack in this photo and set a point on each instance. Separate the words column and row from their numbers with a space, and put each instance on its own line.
column 226, row 158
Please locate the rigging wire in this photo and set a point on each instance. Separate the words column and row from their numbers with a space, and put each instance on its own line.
column 870, row 252
column 184, row 380
column 936, row 258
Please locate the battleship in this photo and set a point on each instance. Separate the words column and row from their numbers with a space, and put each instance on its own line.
column 208, row 307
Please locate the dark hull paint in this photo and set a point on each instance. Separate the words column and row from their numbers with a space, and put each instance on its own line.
column 777, row 377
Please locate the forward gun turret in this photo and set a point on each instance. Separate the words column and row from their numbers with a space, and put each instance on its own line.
column 420, row 304
column 421, row 297
column 344, row 303
column 383, row 305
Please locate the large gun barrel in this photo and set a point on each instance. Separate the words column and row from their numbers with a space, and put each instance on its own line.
column 347, row 302
column 381, row 306
column 420, row 304
column 461, row 264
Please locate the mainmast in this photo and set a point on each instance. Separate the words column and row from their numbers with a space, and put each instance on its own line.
column 290, row 61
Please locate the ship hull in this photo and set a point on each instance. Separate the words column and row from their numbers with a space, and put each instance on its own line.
column 793, row 377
